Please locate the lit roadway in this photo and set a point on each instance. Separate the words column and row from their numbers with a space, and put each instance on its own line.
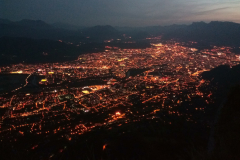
column 10, row 108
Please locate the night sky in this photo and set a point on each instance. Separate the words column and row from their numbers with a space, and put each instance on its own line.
column 121, row 12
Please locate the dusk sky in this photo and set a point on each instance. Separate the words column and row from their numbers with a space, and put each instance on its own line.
column 121, row 12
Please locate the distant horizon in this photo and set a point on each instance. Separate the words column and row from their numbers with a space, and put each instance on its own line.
column 60, row 22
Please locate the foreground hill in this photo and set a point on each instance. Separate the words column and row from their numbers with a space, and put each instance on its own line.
column 227, row 129
column 224, row 76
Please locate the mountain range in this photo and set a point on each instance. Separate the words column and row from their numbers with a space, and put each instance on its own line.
column 30, row 40
column 222, row 33
column 38, row 29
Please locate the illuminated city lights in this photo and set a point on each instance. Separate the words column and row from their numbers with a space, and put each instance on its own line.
column 108, row 90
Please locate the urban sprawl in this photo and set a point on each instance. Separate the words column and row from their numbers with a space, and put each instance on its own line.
column 109, row 89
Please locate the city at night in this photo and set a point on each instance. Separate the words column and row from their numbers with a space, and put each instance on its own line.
column 120, row 80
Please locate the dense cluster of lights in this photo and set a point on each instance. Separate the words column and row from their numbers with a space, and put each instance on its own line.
column 171, row 76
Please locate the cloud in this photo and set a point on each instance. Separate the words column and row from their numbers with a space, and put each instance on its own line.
column 212, row 10
column 120, row 12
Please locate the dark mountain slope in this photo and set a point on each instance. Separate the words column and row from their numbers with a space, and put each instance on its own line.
column 220, row 33
column 17, row 50
column 33, row 24
column 38, row 29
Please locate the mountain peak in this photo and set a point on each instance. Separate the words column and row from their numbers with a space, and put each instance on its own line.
column 201, row 23
column 103, row 26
